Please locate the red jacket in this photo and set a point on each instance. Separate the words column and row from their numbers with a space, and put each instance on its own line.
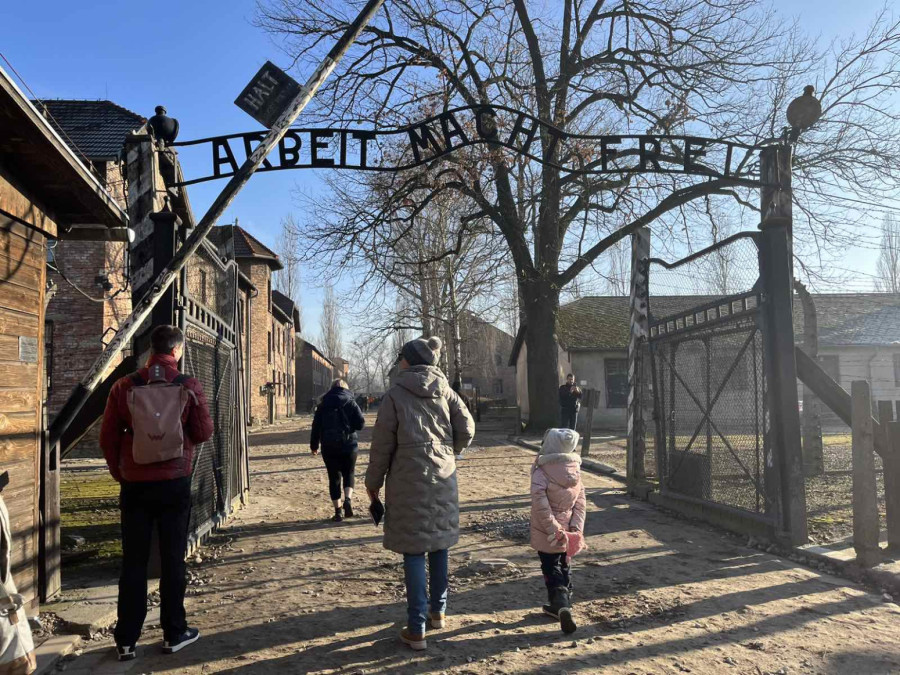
column 116, row 435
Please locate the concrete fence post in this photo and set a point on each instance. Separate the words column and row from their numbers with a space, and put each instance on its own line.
column 865, row 505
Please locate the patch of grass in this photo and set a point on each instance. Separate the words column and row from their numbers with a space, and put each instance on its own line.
column 89, row 508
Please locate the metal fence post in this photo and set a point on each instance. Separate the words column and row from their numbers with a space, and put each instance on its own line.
column 865, row 495
column 776, row 274
column 637, row 426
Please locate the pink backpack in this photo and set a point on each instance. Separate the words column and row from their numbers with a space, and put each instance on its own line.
column 156, row 409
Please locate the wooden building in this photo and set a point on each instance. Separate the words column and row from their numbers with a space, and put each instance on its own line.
column 77, row 324
column 46, row 193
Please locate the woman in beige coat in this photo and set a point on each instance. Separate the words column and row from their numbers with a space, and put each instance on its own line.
column 422, row 423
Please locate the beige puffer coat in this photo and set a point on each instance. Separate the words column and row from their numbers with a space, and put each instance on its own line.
column 421, row 424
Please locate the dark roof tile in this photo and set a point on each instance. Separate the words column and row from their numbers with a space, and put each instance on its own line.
column 95, row 129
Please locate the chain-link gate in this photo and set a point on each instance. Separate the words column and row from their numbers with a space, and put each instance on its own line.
column 709, row 378
column 211, row 355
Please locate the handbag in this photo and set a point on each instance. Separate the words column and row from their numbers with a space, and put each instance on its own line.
column 16, row 644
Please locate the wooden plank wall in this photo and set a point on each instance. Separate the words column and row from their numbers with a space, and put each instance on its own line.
column 22, row 278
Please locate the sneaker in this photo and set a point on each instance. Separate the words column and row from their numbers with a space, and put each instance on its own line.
column 188, row 637
column 348, row 509
column 337, row 517
column 566, row 622
column 550, row 610
column 125, row 652
column 437, row 619
column 415, row 642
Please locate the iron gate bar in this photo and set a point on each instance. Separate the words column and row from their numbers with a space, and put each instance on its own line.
column 742, row 317
column 659, row 325
column 716, row 428
column 715, row 400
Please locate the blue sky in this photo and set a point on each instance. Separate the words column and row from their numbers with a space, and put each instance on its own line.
column 195, row 56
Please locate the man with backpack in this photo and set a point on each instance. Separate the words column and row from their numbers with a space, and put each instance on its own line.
column 334, row 428
column 153, row 419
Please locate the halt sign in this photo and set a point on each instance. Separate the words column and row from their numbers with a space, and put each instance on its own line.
column 270, row 91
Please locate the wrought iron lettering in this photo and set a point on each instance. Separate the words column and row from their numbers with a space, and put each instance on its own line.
column 404, row 148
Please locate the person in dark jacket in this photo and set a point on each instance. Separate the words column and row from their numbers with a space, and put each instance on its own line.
column 154, row 494
column 334, row 428
column 569, row 402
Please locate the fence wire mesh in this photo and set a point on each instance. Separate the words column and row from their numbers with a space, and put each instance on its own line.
column 730, row 269
column 828, row 459
column 211, row 360
column 712, row 403
column 708, row 388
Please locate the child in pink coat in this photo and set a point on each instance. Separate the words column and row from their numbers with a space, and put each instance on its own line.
column 557, row 518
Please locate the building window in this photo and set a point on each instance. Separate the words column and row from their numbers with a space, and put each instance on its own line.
column 831, row 364
column 616, row 382
column 202, row 277
column 498, row 359
column 498, row 386
column 270, row 346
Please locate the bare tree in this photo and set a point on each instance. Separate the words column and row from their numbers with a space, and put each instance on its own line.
column 888, row 280
column 725, row 69
column 287, row 247
column 330, row 324
column 619, row 278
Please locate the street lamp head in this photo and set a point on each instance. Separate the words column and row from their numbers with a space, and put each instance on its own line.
column 804, row 111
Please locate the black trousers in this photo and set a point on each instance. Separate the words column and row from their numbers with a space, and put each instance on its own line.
column 568, row 418
column 555, row 568
column 341, row 465
column 167, row 504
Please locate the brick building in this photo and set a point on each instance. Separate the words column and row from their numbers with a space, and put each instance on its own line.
column 485, row 351
column 269, row 327
column 341, row 367
column 47, row 193
column 91, row 293
column 315, row 371
column 285, row 325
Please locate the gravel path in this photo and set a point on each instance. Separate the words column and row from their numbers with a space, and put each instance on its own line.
column 283, row 590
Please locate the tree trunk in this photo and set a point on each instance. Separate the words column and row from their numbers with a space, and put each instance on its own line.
column 541, row 305
column 454, row 328
column 813, row 452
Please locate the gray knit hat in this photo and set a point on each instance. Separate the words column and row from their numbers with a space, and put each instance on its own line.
column 422, row 352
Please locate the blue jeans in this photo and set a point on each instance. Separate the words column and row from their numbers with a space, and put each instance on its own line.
column 418, row 589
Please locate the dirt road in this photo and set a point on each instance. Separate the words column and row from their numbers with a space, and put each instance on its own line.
column 284, row 590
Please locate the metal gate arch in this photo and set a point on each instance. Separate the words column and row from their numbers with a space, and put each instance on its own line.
column 710, row 394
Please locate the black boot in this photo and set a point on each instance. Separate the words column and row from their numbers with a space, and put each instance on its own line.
column 348, row 509
column 561, row 608
column 337, row 517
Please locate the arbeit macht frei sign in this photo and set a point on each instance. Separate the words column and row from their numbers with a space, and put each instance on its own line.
column 417, row 144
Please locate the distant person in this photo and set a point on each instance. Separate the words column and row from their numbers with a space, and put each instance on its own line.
column 569, row 402
column 334, row 428
column 557, row 518
column 153, row 420
column 421, row 425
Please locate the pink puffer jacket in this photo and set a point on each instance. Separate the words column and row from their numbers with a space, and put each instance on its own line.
column 557, row 500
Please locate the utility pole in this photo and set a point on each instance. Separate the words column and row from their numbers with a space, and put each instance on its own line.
column 269, row 90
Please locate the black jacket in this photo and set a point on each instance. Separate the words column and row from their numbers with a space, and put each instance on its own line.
column 337, row 398
column 569, row 397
